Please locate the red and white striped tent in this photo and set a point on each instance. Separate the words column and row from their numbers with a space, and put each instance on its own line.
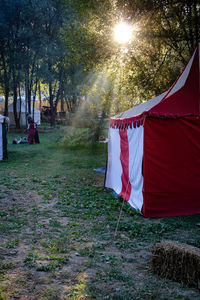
column 154, row 149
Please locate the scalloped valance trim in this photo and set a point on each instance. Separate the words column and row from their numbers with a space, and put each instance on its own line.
column 137, row 121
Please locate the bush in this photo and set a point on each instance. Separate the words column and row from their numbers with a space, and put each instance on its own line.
column 76, row 137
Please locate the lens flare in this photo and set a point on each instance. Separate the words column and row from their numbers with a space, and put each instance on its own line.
column 123, row 32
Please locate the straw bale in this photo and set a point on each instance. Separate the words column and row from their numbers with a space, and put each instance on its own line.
column 177, row 261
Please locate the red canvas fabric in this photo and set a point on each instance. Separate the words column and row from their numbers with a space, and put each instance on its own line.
column 171, row 167
column 124, row 157
column 185, row 101
column 182, row 99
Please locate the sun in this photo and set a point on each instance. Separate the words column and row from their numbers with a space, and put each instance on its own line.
column 123, row 32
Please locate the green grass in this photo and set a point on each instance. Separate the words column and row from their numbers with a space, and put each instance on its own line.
column 57, row 224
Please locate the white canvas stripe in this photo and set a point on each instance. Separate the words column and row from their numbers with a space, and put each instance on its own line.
column 1, row 142
column 2, row 118
column 182, row 79
column 114, row 167
column 135, row 138
column 139, row 109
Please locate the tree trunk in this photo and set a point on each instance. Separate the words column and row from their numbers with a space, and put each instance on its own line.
column 40, row 97
column 17, row 120
column 27, row 91
column 34, row 96
column 29, row 84
column 6, row 81
column 6, row 95
column 20, row 104
column 52, row 116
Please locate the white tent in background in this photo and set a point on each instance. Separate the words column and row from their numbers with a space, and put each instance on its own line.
column 23, row 113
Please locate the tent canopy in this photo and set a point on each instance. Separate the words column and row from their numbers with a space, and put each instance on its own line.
column 153, row 149
column 182, row 99
column 23, row 107
column 2, row 119
column 23, row 113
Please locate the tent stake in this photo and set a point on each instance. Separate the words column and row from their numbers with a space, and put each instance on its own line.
column 119, row 219
column 126, row 191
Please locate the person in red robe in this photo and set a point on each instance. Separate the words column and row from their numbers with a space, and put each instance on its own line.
column 31, row 133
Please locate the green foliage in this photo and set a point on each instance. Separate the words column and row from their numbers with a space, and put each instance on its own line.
column 74, row 137
column 69, row 47
column 115, row 274
column 164, row 35
column 12, row 244
column 56, row 263
column 146, row 231
column 34, row 49
column 30, row 259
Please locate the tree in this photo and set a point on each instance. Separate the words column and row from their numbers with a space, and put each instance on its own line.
column 68, row 46
column 31, row 50
column 165, row 35
column 20, row 43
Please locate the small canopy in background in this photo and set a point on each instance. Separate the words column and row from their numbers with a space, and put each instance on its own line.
column 23, row 117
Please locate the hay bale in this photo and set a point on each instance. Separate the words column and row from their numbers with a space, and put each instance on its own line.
column 177, row 261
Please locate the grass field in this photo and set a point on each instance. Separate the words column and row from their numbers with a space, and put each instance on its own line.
column 57, row 225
